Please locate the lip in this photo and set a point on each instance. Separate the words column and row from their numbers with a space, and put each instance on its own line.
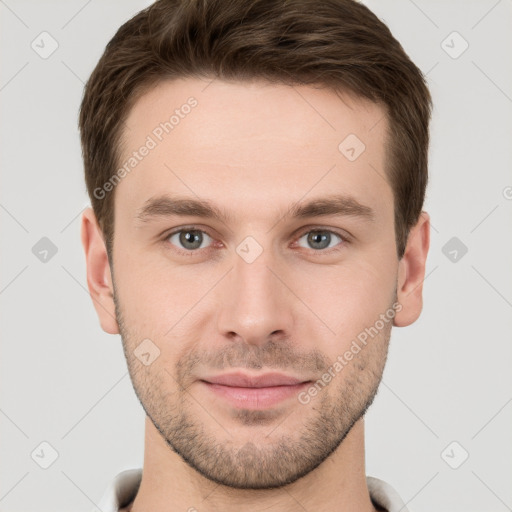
column 244, row 380
column 245, row 391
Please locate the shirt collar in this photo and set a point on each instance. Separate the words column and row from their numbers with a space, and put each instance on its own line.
column 123, row 488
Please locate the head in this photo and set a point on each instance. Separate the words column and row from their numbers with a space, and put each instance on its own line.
column 257, row 172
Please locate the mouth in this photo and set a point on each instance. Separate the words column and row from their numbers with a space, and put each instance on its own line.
column 245, row 391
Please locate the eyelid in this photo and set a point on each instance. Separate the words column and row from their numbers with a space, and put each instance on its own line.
column 344, row 235
column 193, row 227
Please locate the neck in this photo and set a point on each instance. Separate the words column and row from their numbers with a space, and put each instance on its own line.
column 169, row 484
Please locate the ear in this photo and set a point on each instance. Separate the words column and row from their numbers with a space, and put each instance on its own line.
column 99, row 277
column 411, row 272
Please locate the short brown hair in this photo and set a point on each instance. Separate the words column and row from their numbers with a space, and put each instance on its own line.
column 339, row 44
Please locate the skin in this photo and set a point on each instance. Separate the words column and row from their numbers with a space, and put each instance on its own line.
column 254, row 149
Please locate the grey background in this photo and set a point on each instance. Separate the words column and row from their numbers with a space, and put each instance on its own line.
column 448, row 378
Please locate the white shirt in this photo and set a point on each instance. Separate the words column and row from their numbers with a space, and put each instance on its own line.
column 122, row 490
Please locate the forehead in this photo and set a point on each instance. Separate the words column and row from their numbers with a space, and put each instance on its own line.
column 238, row 142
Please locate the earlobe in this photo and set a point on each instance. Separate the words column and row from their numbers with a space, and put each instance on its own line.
column 99, row 277
column 411, row 272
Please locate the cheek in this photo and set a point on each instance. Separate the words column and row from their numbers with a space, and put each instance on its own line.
column 350, row 298
column 163, row 302
column 147, row 284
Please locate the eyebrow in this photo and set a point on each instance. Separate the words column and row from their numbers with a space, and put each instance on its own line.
column 167, row 206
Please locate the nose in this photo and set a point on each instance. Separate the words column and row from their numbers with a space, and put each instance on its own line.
column 255, row 303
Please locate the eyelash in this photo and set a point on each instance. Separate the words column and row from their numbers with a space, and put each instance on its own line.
column 343, row 237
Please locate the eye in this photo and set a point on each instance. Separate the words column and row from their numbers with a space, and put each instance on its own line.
column 320, row 239
column 188, row 239
column 191, row 240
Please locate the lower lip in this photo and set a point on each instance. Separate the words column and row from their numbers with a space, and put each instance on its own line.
column 255, row 398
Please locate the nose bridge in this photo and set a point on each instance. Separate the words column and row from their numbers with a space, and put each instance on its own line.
column 255, row 303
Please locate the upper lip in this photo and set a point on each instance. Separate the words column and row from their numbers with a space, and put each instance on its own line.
column 244, row 380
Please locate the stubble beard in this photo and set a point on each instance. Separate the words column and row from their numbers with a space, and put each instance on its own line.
column 284, row 456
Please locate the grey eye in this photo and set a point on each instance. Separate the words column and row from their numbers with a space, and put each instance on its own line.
column 189, row 239
column 320, row 239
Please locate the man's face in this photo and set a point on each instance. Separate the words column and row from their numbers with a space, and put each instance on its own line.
column 262, row 290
